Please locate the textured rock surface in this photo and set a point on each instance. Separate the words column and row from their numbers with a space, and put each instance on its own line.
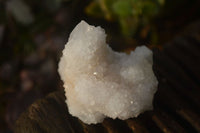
column 102, row 83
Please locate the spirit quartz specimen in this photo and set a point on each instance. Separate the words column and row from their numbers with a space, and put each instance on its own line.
column 100, row 82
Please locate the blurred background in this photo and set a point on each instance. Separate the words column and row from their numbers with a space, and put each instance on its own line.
column 34, row 32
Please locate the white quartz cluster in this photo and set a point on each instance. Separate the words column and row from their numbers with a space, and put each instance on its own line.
column 102, row 83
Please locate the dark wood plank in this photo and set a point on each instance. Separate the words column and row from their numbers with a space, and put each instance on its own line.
column 176, row 103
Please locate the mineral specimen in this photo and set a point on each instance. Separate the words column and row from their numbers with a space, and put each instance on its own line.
column 102, row 83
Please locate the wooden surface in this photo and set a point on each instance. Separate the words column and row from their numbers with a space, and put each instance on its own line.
column 176, row 103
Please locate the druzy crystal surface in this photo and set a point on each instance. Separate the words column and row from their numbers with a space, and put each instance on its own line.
column 100, row 82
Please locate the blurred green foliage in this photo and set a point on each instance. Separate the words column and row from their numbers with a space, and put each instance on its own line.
column 130, row 14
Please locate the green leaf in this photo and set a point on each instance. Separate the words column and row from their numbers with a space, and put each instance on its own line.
column 122, row 8
column 93, row 9
column 149, row 9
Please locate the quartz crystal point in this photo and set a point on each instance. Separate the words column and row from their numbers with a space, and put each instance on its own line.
column 100, row 82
